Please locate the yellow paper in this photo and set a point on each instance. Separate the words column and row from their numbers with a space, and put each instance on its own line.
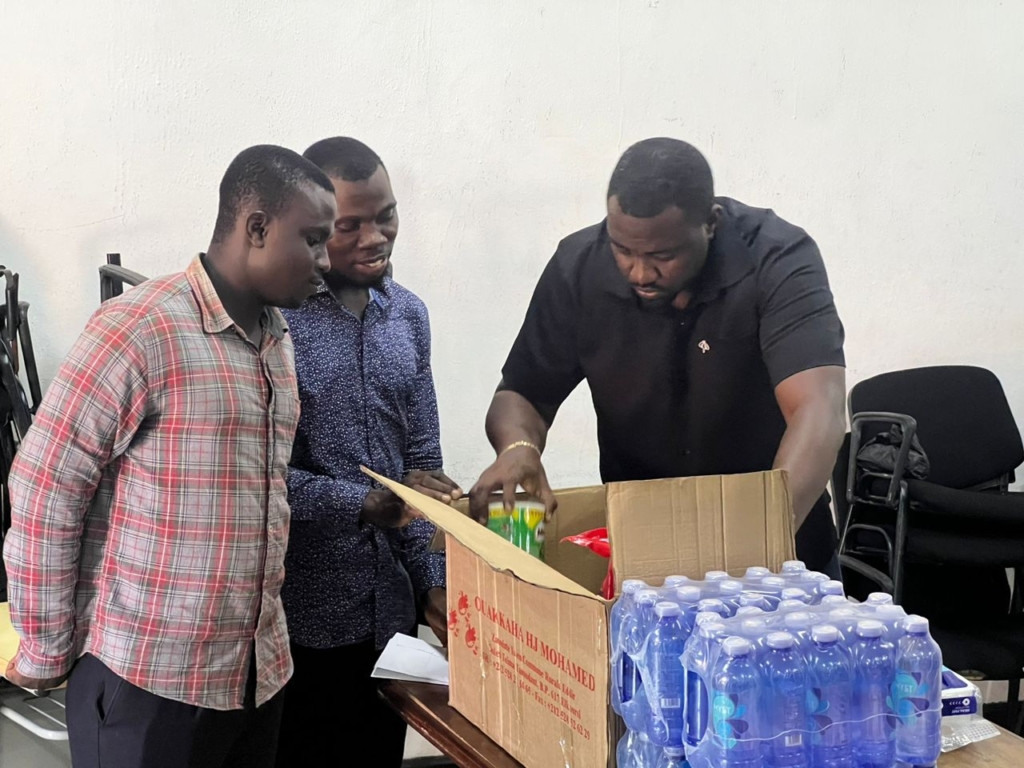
column 8, row 638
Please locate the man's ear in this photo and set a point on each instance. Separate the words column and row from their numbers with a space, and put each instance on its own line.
column 712, row 223
column 256, row 228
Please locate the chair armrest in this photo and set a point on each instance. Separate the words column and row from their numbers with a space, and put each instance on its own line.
column 857, row 423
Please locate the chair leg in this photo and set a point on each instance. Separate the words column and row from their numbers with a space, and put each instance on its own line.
column 1012, row 703
column 900, row 545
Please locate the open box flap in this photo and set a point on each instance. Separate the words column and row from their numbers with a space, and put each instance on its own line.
column 500, row 554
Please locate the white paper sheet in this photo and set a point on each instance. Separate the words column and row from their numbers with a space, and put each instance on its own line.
column 413, row 660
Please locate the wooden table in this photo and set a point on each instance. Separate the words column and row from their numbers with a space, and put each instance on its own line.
column 425, row 708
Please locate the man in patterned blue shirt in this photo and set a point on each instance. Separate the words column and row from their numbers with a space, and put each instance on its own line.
column 358, row 564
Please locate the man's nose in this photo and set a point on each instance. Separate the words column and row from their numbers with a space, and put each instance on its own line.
column 373, row 238
column 322, row 262
column 640, row 273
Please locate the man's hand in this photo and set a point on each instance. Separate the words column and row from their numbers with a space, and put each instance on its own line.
column 436, row 613
column 519, row 466
column 385, row 510
column 435, row 484
column 31, row 683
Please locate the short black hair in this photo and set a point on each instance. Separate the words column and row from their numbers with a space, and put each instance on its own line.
column 265, row 176
column 654, row 174
column 345, row 158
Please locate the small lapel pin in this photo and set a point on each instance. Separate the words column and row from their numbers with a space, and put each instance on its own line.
column 704, row 347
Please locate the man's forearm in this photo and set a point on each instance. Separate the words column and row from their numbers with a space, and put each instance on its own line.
column 808, row 453
column 511, row 419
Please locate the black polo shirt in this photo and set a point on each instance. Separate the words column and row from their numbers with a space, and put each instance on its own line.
column 685, row 392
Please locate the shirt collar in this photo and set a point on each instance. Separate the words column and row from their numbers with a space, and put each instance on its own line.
column 729, row 261
column 211, row 308
column 379, row 294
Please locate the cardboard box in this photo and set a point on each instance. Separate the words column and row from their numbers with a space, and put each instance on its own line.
column 528, row 640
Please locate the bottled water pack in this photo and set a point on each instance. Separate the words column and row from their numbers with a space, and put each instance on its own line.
column 777, row 670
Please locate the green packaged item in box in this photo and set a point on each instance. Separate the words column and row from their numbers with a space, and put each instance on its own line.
column 523, row 525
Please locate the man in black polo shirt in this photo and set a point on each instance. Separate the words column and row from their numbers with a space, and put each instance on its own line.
column 707, row 333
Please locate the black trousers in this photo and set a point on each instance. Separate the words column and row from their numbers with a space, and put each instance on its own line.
column 114, row 724
column 333, row 715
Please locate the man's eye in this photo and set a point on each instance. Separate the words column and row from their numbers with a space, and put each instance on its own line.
column 312, row 241
column 388, row 215
column 348, row 226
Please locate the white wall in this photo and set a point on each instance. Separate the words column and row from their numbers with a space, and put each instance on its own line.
column 890, row 130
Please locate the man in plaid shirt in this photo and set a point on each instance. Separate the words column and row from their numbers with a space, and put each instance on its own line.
column 150, row 514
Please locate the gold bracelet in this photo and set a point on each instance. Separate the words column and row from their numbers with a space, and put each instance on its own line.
column 520, row 444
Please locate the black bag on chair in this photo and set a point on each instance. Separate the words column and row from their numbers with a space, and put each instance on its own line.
column 880, row 452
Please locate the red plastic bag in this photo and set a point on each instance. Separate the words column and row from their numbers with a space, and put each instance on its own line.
column 597, row 542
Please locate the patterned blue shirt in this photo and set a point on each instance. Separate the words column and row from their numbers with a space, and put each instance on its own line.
column 368, row 398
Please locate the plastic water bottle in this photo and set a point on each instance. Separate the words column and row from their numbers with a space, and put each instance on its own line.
column 621, row 663
column 879, row 598
column 635, row 627
column 688, row 600
column 844, row 619
column 624, row 750
column 892, row 617
column 755, row 599
column 786, row 606
column 735, row 707
column 714, row 605
column 795, row 593
column 874, row 670
column 785, row 702
column 832, row 587
column 712, row 576
column 696, row 658
column 754, row 575
column 675, row 582
column 799, row 625
column 917, row 695
column 729, row 593
column 664, row 682
column 749, row 611
column 794, row 566
column 834, row 601
column 830, row 703
column 671, row 757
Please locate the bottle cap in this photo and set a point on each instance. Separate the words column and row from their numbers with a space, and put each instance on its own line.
column 647, row 596
column 704, row 617
column 780, row 641
column 816, row 577
column 774, row 581
column 716, row 576
column 736, row 646
column 825, row 633
column 887, row 611
column 688, row 594
column 632, row 586
column 832, row 588
column 710, row 629
column 756, row 571
column 791, row 605
column 751, row 598
column 879, row 598
column 834, row 601
column 675, row 582
column 711, row 604
column 668, row 610
column 793, row 593
column 794, row 566
column 869, row 628
column 798, row 620
column 730, row 587
column 915, row 625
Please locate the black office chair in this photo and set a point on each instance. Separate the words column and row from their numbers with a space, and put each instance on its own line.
column 941, row 546
column 114, row 277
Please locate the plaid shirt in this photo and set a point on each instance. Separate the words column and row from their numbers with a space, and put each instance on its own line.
column 150, row 502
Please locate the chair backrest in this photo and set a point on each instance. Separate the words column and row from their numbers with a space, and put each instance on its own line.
column 113, row 277
column 963, row 420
